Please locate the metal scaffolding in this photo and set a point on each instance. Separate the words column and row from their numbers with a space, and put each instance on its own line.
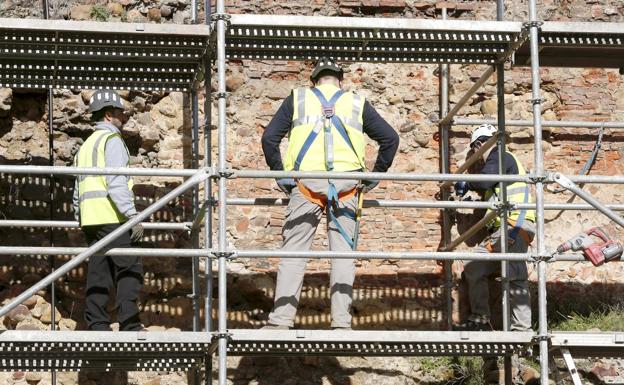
column 68, row 54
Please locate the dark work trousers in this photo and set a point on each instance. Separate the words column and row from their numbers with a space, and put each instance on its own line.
column 103, row 273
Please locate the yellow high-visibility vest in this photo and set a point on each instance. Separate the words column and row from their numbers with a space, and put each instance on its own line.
column 518, row 192
column 96, row 207
column 308, row 118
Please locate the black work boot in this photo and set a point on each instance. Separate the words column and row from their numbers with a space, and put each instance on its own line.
column 472, row 326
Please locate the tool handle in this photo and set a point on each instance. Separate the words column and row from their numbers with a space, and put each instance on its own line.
column 599, row 232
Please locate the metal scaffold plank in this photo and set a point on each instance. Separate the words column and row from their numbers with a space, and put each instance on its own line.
column 73, row 54
column 578, row 44
column 589, row 344
column 79, row 350
column 389, row 40
column 376, row 343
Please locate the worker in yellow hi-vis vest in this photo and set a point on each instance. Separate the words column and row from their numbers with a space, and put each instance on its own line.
column 325, row 127
column 101, row 204
column 521, row 231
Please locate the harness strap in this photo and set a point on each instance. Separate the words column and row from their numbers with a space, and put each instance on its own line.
column 334, row 211
column 320, row 199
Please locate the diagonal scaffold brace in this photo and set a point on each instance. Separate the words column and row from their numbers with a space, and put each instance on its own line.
column 197, row 178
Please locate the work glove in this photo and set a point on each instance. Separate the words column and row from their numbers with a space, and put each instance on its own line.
column 461, row 188
column 137, row 231
column 368, row 185
column 286, row 185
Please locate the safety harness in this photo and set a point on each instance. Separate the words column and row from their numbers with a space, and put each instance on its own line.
column 332, row 202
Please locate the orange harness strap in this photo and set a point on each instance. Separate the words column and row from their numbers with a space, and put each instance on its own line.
column 320, row 199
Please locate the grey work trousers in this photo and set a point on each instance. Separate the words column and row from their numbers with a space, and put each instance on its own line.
column 302, row 219
column 477, row 274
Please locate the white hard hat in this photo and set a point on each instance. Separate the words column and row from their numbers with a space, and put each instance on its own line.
column 483, row 130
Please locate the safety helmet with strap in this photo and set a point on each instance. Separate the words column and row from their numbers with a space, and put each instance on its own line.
column 326, row 64
column 105, row 98
column 484, row 130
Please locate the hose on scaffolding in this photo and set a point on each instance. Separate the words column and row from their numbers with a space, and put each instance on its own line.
column 588, row 164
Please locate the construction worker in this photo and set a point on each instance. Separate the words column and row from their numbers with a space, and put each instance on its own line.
column 102, row 204
column 326, row 128
column 521, row 231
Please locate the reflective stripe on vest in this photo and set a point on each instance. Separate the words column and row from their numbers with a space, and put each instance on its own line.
column 96, row 207
column 344, row 151
column 518, row 192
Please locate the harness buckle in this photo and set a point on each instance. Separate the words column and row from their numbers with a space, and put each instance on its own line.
column 328, row 111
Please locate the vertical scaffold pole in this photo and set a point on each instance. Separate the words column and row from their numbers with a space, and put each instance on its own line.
column 208, row 192
column 195, row 192
column 52, row 182
column 539, row 190
column 195, row 202
column 208, row 182
column 500, row 102
column 222, row 247
column 443, row 132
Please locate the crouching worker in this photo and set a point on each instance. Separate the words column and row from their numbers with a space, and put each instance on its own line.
column 102, row 203
column 326, row 128
column 521, row 230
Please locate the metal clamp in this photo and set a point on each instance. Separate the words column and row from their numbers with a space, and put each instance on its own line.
column 211, row 202
column 502, row 207
column 220, row 95
column 225, row 174
column 221, row 16
column 537, row 101
column 542, row 258
column 531, row 24
column 541, row 178
column 223, row 254
column 542, row 337
column 218, row 335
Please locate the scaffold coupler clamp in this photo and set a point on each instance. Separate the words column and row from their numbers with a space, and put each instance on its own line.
column 504, row 207
column 531, row 24
column 224, row 254
column 226, row 17
column 562, row 181
column 542, row 337
column 537, row 101
column 220, row 95
column 545, row 257
column 218, row 335
column 547, row 178
column 227, row 173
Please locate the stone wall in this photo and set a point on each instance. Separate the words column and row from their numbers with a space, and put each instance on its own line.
column 389, row 294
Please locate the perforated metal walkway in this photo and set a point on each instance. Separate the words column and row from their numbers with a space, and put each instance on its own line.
column 86, row 54
column 78, row 350
column 377, row 343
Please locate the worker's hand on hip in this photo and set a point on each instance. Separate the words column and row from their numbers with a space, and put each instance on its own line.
column 369, row 185
column 137, row 231
column 286, row 185
column 461, row 188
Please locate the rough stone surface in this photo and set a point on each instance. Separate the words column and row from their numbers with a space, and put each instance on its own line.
column 388, row 294
column 81, row 12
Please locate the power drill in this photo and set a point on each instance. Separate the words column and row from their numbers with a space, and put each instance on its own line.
column 596, row 253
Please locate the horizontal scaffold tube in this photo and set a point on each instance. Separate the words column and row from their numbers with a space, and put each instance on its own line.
column 75, row 224
column 266, row 174
column 64, row 170
column 529, row 123
column 406, row 177
column 373, row 203
column 414, row 255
